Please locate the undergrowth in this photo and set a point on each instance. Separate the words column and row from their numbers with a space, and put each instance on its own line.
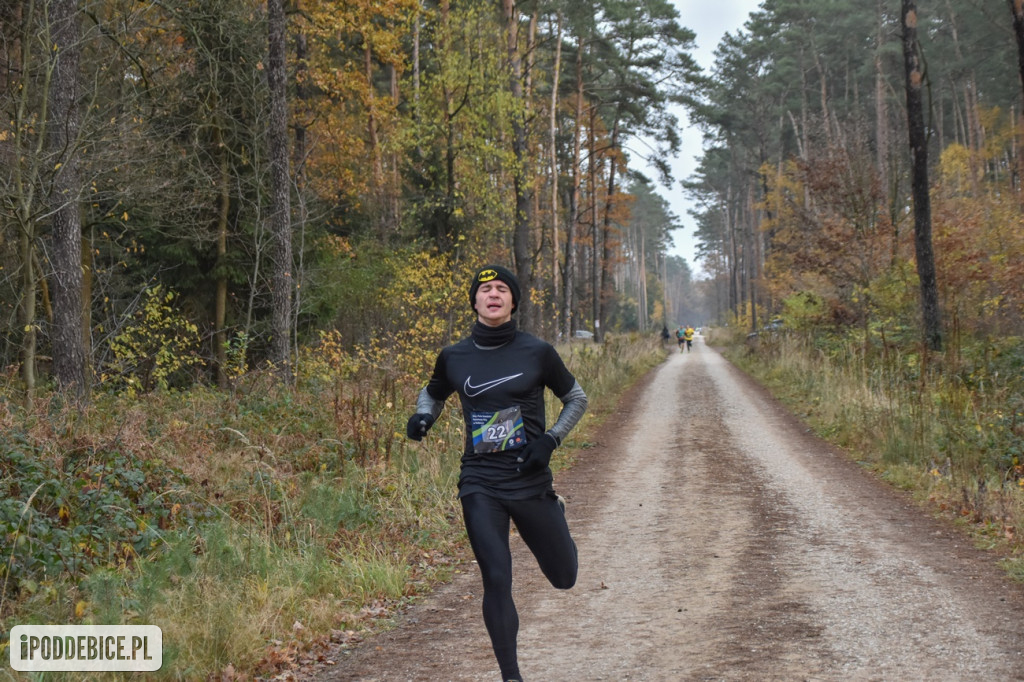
column 253, row 526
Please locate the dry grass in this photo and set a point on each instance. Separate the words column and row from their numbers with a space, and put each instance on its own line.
column 953, row 440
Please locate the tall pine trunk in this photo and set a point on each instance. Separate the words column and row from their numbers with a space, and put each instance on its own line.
column 1017, row 8
column 918, row 140
column 603, row 290
column 27, row 310
column 572, row 220
column 881, row 111
column 444, row 237
column 220, row 304
column 521, row 222
column 595, row 259
column 553, row 160
column 280, row 209
column 68, row 339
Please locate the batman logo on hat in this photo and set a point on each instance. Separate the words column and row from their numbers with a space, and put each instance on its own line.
column 490, row 273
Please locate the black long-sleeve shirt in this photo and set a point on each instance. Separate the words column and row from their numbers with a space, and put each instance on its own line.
column 501, row 390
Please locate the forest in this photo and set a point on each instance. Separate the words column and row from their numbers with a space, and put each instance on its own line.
column 146, row 147
column 810, row 188
column 246, row 227
column 251, row 194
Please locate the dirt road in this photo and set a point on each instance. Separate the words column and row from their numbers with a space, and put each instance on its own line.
column 720, row 541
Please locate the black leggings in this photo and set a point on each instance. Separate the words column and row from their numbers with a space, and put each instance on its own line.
column 541, row 523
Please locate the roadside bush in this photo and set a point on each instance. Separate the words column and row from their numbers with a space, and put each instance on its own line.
column 155, row 346
column 61, row 517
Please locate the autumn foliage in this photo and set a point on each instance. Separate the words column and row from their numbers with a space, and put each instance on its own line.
column 833, row 234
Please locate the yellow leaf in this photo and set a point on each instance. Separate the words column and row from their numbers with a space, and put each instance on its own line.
column 80, row 607
column 124, row 216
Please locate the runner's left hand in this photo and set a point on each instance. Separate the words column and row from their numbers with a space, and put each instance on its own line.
column 418, row 425
column 536, row 455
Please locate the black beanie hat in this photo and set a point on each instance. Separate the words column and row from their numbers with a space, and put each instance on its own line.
column 492, row 272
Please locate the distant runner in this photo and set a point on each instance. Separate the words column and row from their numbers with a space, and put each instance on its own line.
column 688, row 337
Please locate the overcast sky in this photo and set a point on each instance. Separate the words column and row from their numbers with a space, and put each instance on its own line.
column 710, row 21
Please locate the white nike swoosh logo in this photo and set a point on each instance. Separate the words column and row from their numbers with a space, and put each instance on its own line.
column 473, row 391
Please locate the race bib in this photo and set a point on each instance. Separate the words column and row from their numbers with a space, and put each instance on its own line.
column 497, row 431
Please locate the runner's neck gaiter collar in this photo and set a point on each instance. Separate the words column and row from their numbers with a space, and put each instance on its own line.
column 491, row 337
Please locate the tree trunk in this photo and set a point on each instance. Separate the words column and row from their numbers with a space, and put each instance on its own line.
column 377, row 191
column 24, row 170
column 88, row 267
column 595, row 261
column 521, row 225
column 918, row 140
column 751, row 252
column 443, row 236
column 826, row 116
column 975, row 133
column 734, row 253
column 27, row 318
column 220, row 340
column 572, row 220
column 805, row 116
column 603, row 293
column 394, row 211
column 67, row 338
column 280, row 209
column 642, row 281
column 881, row 111
column 300, row 152
column 553, row 159
column 417, row 19
column 536, row 234
column 1017, row 8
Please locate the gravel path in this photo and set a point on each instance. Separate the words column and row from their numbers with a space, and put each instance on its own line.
column 720, row 541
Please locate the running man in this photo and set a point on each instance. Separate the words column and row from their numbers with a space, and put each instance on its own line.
column 500, row 374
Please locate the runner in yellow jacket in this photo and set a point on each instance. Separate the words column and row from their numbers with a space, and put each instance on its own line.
column 688, row 337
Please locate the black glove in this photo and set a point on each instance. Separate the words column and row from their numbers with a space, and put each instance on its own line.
column 418, row 425
column 536, row 454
